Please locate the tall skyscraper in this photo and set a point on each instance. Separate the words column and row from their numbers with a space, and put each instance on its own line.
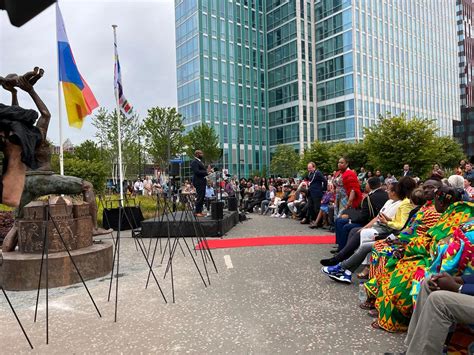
column 269, row 72
column 290, row 65
column 464, row 129
column 375, row 56
column 221, row 70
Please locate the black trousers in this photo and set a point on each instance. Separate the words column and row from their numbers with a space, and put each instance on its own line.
column 200, row 193
column 353, row 242
column 314, row 205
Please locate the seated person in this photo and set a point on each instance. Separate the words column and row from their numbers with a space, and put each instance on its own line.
column 283, row 210
column 443, row 301
column 247, row 194
column 370, row 207
column 469, row 189
column 258, row 197
column 283, row 201
column 403, row 273
column 269, row 198
column 327, row 200
column 209, row 195
column 300, row 199
column 392, row 218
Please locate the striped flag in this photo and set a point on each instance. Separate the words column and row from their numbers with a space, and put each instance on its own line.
column 125, row 106
column 79, row 99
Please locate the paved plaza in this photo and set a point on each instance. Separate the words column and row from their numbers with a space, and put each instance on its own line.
column 264, row 300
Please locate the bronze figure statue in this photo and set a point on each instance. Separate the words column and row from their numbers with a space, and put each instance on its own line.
column 24, row 143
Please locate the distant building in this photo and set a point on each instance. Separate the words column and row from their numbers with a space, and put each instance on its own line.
column 464, row 130
column 265, row 73
column 67, row 147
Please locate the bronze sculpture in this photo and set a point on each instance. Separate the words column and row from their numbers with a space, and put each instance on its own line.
column 39, row 180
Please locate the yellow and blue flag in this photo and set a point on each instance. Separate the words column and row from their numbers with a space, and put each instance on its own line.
column 79, row 99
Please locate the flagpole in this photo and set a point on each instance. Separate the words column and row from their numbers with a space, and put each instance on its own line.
column 118, row 128
column 61, row 148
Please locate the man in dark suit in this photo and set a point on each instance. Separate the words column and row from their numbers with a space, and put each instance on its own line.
column 443, row 301
column 199, row 181
column 317, row 185
column 406, row 171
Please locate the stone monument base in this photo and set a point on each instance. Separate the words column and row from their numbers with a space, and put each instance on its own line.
column 20, row 271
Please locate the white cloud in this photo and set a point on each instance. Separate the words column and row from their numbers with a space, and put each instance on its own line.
column 146, row 44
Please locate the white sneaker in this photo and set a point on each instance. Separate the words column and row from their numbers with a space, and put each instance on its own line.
column 283, row 216
column 276, row 215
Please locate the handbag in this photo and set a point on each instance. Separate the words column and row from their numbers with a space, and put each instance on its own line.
column 356, row 214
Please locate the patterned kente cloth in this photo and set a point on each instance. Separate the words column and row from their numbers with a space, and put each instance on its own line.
column 394, row 300
column 419, row 224
column 453, row 255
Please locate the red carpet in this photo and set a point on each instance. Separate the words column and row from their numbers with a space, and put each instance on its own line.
column 268, row 240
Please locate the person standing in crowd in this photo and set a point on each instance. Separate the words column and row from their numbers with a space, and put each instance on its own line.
column 362, row 174
column 461, row 167
column 348, row 194
column 317, row 184
column 406, row 171
column 379, row 175
column 468, row 172
column 147, row 186
column 199, row 181
column 389, row 179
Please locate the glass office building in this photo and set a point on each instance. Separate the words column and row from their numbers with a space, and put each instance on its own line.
column 221, row 73
column 269, row 72
column 375, row 56
column 290, row 67
column 464, row 129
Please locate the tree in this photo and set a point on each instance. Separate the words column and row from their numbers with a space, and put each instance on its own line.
column 448, row 152
column 91, row 170
column 205, row 138
column 355, row 153
column 396, row 140
column 284, row 161
column 88, row 150
column 319, row 153
column 107, row 135
column 163, row 128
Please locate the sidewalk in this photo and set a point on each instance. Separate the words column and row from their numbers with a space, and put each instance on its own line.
column 264, row 300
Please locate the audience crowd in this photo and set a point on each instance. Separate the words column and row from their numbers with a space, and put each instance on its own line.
column 412, row 241
column 409, row 243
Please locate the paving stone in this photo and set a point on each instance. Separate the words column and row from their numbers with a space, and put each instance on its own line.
column 273, row 300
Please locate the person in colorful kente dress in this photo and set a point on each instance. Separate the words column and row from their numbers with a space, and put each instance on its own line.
column 394, row 299
column 424, row 217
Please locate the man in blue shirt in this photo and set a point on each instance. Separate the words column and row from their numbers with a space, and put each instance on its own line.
column 443, row 300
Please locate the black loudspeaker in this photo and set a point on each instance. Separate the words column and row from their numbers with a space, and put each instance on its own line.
column 131, row 218
column 232, row 203
column 217, row 210
column 174, row 169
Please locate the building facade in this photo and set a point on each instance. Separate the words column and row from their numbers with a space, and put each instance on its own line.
column 221, row 71
column 291, row 72
column 464, row 129
column 374, row 57
column 270, row 72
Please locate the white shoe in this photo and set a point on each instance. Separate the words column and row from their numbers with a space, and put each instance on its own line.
column 276, row 215
column 283, row 216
